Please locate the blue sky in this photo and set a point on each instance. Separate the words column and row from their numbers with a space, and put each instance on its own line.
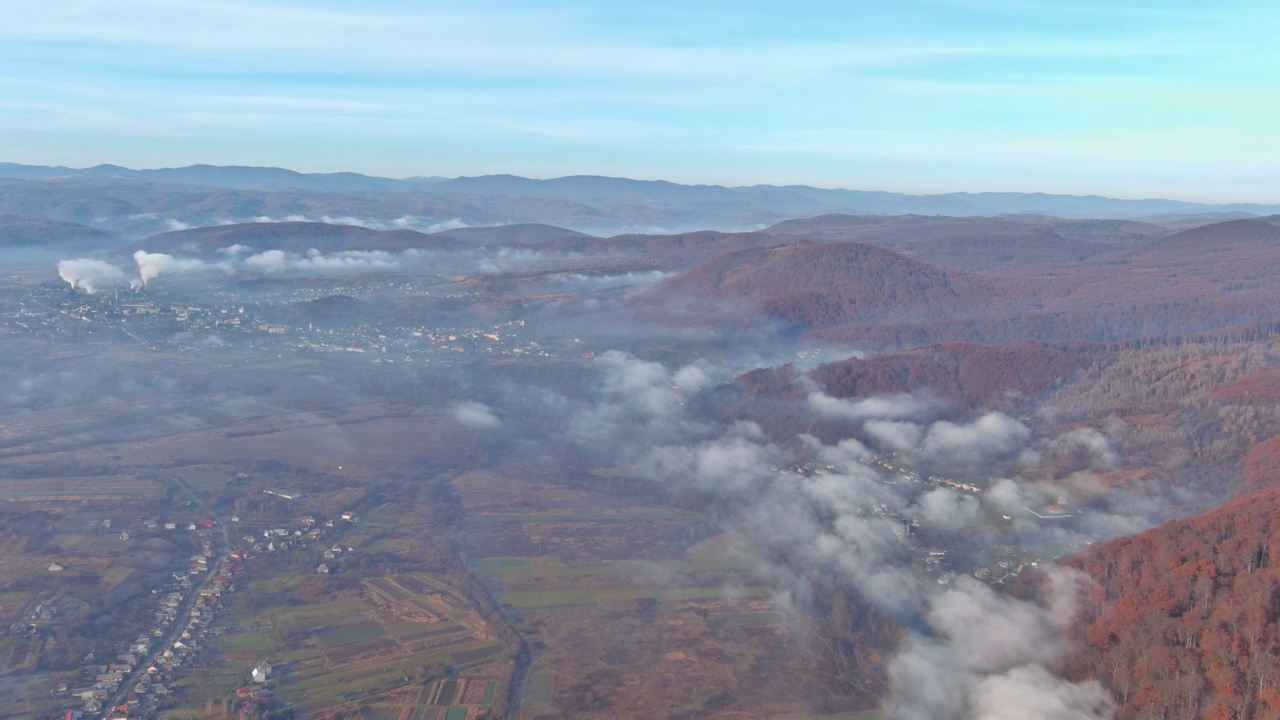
column 1129, row 99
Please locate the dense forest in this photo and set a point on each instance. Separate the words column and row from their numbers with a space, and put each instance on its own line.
column 1186, row 620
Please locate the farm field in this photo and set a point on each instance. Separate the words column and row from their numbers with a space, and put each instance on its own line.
column 69, row 489
column 393, row 646
column 633, row 612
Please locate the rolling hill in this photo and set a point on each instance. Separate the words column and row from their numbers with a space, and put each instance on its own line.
column 296, row 237
column 812, row 285
column 979, row 243
column 22, row 231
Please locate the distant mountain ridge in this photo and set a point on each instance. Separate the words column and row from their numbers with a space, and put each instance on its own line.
column 22, row 231
column 866, row 293
column 296, row 237
column 115, row 198
column 979, row 243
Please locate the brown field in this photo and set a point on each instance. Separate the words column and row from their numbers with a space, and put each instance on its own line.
column 365, row 650
column 627, row 604
column 18, row 654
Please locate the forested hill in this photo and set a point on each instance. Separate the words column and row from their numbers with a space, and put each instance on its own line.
column 1186, row 623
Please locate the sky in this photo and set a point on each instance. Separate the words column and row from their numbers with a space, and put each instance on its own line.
column 1127, row 98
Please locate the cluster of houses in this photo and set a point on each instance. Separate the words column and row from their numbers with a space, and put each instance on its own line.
column 42, row 614
column 137, row 682
column 305, row 532
column 150, row 662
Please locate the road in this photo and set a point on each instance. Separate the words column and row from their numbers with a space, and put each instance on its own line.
column 221, row 548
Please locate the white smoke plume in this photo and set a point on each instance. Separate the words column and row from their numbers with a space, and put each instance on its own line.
column 89, row 274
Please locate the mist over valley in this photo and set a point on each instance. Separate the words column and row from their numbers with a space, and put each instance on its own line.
column 339, row 446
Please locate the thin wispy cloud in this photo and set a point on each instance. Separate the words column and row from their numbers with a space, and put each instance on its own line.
column 724, row 93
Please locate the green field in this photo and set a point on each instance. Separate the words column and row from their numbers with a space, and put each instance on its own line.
column 537, row 689
column 244, row 641
column 553, row 598
column 412, row 631
column 312, row 616
column 336, row 635
column 12, row 603
column 553, row 567
column 79, row 487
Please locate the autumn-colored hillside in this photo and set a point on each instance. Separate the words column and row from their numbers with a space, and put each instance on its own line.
column 968, row 374
column 1186, row 621
column 1262, row 464
column 1195, row 281
column 1229, row 237
column 290, row 236
column 979, row 243
column 517, row 233
column 815, row 285
column 681, row 251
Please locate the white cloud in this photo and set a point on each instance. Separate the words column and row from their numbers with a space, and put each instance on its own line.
column 884, row 407
column 278, row 261
column 153, row 265
column 988, row 438
column 475, row 415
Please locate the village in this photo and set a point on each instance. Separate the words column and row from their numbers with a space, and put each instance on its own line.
column 1001, row 563
column 138, row 682
column 166, row 323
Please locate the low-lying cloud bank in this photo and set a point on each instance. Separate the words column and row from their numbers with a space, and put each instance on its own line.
column 93, row 275
column 970, row 652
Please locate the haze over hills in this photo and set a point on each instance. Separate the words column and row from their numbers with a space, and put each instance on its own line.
column 816, row 285
column 21, row 231
column 877, row 430
column 138, row 202
column 291, row 236
column 1131, row 280
column 659, row 361
column 979, row 243
column 907, row 280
